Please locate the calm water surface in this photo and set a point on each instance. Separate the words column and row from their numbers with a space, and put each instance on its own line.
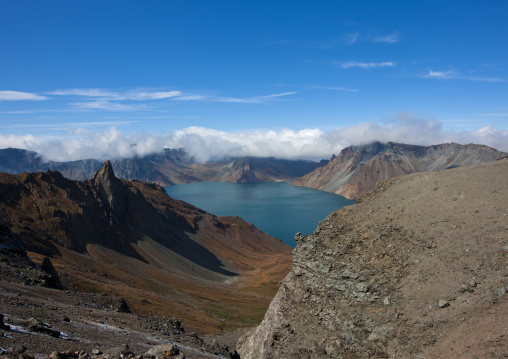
column 276, row 208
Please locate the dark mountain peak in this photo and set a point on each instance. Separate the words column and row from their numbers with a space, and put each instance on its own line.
column 105, row 173
column 107, row 185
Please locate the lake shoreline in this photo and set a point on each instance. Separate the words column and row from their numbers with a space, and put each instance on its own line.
column 277, row 208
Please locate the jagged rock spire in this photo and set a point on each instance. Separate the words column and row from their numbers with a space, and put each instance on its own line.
column 105, row 173
column 107, row 184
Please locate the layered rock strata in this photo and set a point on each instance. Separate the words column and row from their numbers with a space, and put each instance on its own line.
column 357, row 169
column 414, row 269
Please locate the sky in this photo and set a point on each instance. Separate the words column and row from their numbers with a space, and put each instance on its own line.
column 290, row 79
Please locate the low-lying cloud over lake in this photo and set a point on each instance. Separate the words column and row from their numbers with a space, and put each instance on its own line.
column 207, row 144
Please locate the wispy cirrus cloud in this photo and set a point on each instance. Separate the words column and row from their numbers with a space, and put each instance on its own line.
column 454, row 75
column 72, row 125
column 441, row 75
column 354, row 37
column 387, row 39
column 85, row 93
column 347, row 39
column 334, row 88
column 493, row 114
column 351, row 38
column 364, row 65
column 190, row 98
column 108, row 106
column 112, row 100
column 118, row 96
column 126, row 100
column 24, row 112
column 256, row 99
column 20, row 96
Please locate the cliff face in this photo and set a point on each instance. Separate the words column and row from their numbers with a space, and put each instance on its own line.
column 167, row 168
column 254, row 169
column 416, row 268
column 131, row 239
column 357, row 169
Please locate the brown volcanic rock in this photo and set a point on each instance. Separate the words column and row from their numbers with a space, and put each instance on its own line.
column 131, row 240
column 417, row 268
column 358, row 168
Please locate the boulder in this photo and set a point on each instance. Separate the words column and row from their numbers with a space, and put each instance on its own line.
column 39, row 326
column 51, row 279
column 164, row 351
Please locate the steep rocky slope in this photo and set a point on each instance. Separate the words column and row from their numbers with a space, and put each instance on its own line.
column 131, row 240
column 357, row 169
column 255, row 169
column 172, row 166
column 416, row 269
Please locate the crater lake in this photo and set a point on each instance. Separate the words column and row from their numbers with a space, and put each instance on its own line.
column 276, row 208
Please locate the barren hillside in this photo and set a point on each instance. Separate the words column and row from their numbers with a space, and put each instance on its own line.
column 357, row 169
column 131, row 240
column 416, row 269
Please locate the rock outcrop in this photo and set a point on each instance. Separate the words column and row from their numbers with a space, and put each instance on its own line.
column 357, row 169
column 414, row 269
column 51, row 278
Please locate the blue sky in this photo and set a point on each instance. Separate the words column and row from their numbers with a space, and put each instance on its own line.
column 296, row 79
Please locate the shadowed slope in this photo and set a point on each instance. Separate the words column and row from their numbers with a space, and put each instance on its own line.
column 107, row 231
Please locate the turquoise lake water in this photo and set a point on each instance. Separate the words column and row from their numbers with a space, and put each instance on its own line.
column 276, row 208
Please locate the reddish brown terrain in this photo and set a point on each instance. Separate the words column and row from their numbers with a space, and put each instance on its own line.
column 118, row 246
column 418, row 268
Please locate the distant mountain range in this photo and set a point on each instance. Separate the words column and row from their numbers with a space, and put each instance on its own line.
column 172, row 166
column 352, row 173
column 357, row 169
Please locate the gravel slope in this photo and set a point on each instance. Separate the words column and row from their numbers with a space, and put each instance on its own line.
column 416, row 269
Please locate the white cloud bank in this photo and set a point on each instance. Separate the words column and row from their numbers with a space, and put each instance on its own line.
column 207, row 144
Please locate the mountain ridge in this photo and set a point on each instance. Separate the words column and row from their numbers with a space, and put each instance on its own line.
column 357, row 169
column 169, row 167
